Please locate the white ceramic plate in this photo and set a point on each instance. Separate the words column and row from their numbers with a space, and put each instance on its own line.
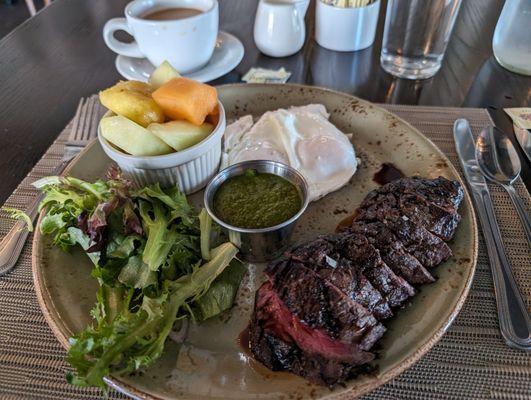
column 227, row 55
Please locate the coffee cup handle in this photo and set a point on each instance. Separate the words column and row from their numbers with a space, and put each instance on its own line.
column 125, row 49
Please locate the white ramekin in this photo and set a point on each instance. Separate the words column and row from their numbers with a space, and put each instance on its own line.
column 190, row 169
column 345, row 29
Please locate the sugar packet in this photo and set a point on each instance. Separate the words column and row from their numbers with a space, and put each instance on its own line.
column 348, row 3
column 521, row 116
column 262, row 75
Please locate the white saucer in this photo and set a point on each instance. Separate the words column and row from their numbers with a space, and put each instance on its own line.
column 227, row 55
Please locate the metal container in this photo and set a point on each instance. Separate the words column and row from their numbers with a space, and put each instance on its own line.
column 259, row 245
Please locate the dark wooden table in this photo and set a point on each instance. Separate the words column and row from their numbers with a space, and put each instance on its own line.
column 53, row 59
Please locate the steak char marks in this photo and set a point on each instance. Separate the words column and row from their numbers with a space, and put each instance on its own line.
column 393, row 251
column 320, row 256
column 319, row 313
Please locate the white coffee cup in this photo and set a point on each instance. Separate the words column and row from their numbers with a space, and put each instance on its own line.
column 186, row 43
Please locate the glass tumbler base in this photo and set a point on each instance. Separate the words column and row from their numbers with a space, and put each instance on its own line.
column 410, row 67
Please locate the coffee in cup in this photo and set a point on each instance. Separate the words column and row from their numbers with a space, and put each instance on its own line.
column 180, row 31
column 168, row 14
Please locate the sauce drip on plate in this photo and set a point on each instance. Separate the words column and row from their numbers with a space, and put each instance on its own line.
column 345, row 223
column 243, row 340
column 387, row 173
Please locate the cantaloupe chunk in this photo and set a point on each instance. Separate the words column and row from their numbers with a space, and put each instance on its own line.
column 213, row 117
column 183, row 98
column 131, row 137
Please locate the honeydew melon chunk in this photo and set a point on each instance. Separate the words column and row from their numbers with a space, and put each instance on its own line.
column 132, row 138
column 162, row 74
column 181, row 134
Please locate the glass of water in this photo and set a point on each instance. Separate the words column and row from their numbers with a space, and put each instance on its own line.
column 416, row 35
column 512, row 38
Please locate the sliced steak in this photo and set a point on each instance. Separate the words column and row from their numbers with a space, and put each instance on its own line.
column 317, row 315
column 320, row 256
column 429, row 249
column 278, row 320
column 431, row 203
column 282, row 342
column 349, row 278
column 438, row 220
column 323, row 307
column 440, row 191
column 357, row 249
column 278, row 355
column 393, row 252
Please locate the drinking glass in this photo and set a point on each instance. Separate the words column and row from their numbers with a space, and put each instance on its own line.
column 512, row 38
column 416, row 35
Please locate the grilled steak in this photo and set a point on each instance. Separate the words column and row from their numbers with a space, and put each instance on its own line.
column 283, row 341
column 439, row 191
column 437, row 220
column 429, row 203
column 322, row 306
column 319, row 255
column 357, row 248
column 318, row 314
column 278, row 355
column 393, row 252
column 429, row 249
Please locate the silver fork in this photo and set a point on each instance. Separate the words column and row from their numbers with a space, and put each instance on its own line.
column 85, row 127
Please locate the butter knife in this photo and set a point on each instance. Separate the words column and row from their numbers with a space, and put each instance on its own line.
column 514, row 320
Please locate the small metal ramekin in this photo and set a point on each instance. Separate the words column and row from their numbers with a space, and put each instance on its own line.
column 259, row 245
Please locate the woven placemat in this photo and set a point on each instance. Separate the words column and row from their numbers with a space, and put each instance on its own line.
column 470, row 362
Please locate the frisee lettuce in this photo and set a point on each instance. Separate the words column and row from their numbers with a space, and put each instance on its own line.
column 136, row 339
column 153, row 262
column 19, row 214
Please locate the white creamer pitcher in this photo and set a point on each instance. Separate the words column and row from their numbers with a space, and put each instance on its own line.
column 279, row 29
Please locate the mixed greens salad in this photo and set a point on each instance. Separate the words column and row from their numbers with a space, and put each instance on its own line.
column 155, row 263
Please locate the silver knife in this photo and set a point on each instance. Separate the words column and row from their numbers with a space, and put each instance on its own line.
column 514, row 320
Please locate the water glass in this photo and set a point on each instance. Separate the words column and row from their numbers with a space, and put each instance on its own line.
column 416, row 35
column 511, row 43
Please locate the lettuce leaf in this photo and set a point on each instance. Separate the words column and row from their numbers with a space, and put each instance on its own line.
column 19, row 214
column 160, row 236
column 205, row 224
column 136, row 274
column 74, row 236
column 172, row 198
column 221, row 294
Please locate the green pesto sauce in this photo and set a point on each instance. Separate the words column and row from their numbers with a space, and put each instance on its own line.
column 256, row 200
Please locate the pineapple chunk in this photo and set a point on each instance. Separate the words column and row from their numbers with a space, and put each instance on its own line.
column 132, row 138
column 183, row 98
column 132, row 99
column 164, row 73
column 181, row 134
